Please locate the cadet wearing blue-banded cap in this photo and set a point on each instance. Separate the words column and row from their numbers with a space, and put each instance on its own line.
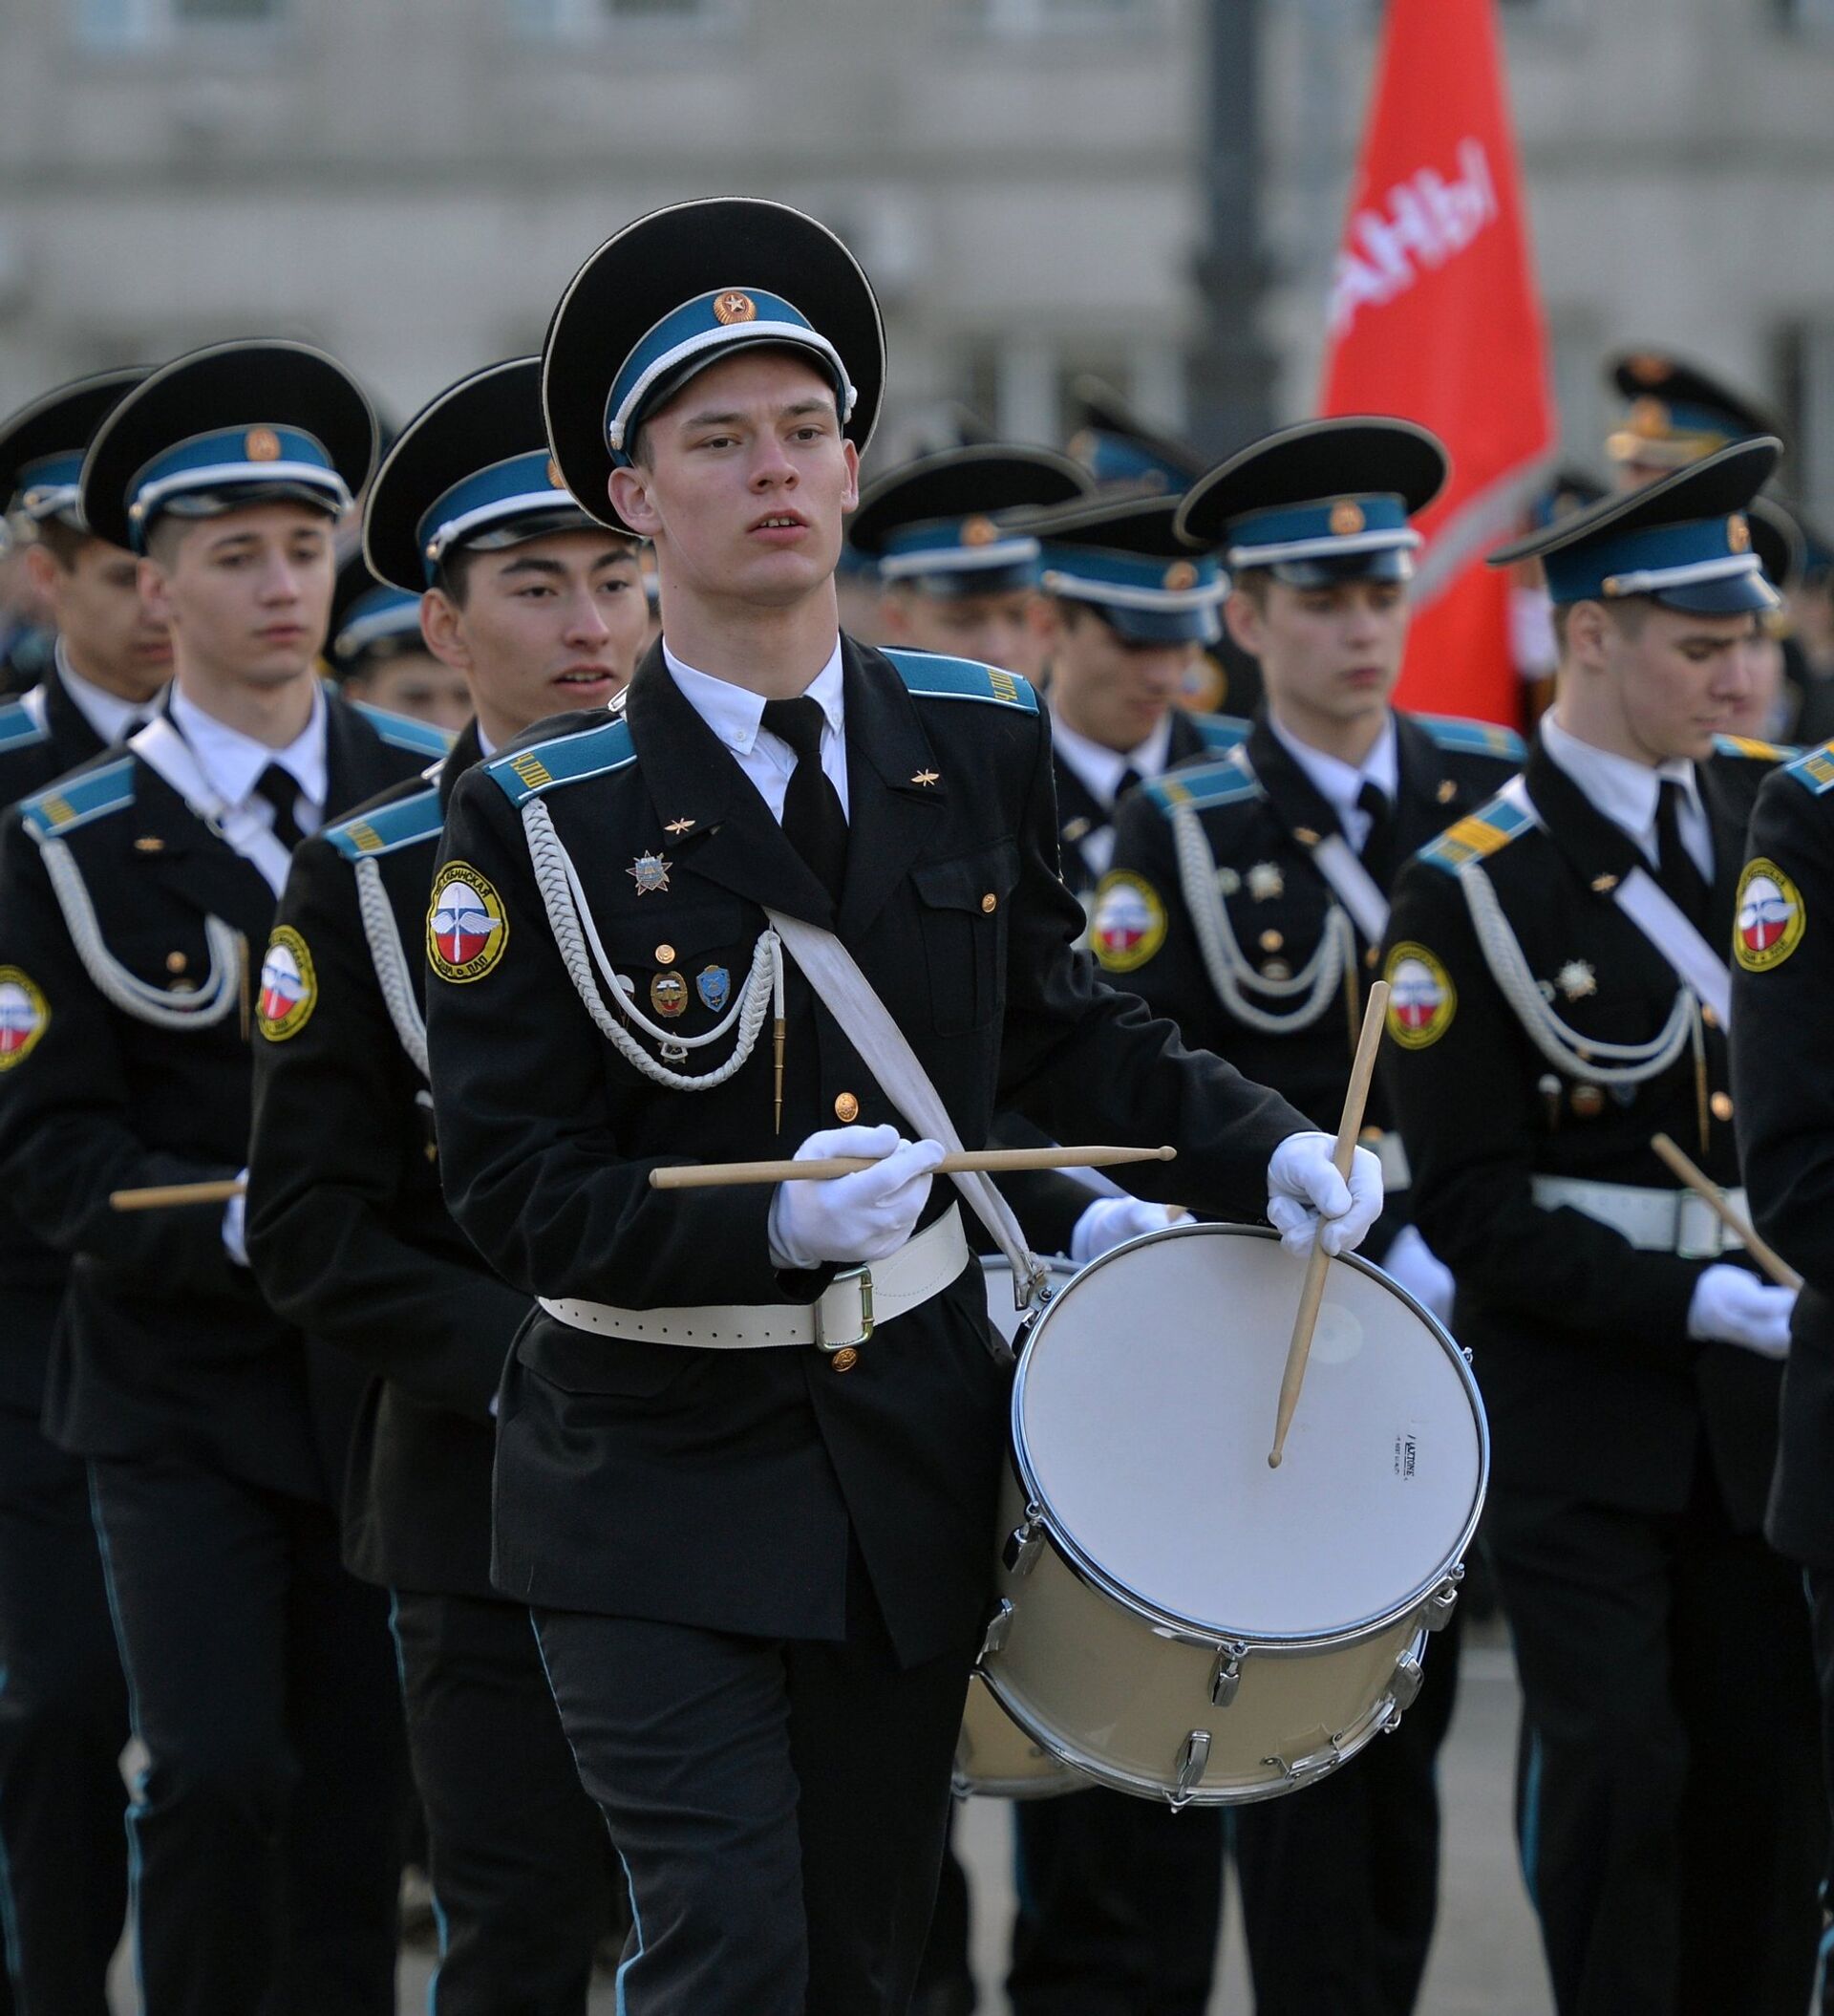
column 1675, row 413
column 376, row 653
column 1560, row 1002
column 1121, row 449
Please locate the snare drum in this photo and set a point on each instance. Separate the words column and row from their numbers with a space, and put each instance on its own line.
column 1176, row 1619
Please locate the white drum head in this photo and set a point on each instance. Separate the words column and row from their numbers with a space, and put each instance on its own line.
column 1144, row 1413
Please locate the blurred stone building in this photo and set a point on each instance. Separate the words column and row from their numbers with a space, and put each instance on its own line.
column 411, row 182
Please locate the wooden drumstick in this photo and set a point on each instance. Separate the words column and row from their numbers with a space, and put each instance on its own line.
column 704, row 1175
column 158, row 1196
column 1703, row 1186
column 1312, row 1294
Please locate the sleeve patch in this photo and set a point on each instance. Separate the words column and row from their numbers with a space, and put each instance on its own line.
column 1423, row 1000
column 289, row 986
column 23, row 1017
column 466, row 926
column 1129, row 922
column 1770, row 919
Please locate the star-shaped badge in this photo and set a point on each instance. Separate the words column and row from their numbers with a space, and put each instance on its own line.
column 649, row 872
column 1576, row 979
column 1266, row 881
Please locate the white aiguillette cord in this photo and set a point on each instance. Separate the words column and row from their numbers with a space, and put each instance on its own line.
column 835, row 975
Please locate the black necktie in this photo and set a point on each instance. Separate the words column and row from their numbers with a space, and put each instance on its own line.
column 1378, row 842
column 281, row 790
column 1125, row 782
column 1675, row 870
column 813, row 821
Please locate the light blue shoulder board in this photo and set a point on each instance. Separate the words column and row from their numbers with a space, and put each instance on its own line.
column 399, row 732
column 76, row 800
column 1493, row 824
column 1203, row 786
column 19, row 727
column 1748, row 745
column 1815, row 771
column 1222, row 731
column 1448, row 731
column 399, row 825
column 938, row 678
column 524, row 774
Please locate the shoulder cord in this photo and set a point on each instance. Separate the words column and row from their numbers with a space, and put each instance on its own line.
column 126, row 991
column 1576, row 1056
column 1222, row 958
column 570, row 920
column 391, row 963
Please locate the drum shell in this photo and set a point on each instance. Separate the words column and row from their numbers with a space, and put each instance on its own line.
column 995, row 1759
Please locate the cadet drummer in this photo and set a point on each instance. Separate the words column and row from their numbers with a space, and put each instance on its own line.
column 760, row 1575
column 1560, row 999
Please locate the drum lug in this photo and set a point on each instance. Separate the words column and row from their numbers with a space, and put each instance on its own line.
column 1443, row 1601
column 1227, row 1675
column 1193, row 1757
column 1023, row 1542
column 1404, row 1689
column 1302, row 1770
column 999, row 1628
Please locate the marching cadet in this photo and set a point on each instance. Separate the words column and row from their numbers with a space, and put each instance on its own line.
column 1782, row 1078
column 131, row 890
column 1246, row 902
column 752, row 1516
column 953, row 578
column 63, row 1704
column 536, row 605
column 1121, row 450
column 1131, row 607
column 376, row 654
column 1676, row 415
column 1561, row 999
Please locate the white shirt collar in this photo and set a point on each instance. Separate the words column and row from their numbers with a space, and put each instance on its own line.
column 1101, row 768
column 735, row 714
column 1623, row 789
column 1340, row 783
column 231, row 762
column 107, row 712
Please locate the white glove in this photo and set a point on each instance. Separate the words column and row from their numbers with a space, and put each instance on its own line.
column 844, row 1220
column 1732, row 1307
column 1305, row 1194
column 1412, row 1262
column 1111, row 1221
column 234, row 1221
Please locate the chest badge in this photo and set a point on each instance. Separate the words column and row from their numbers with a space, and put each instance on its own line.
column 668, row 995
column 651, row 873
column 466, row 926
column 289, row 986
column 24, row 1013
column 1770, row 917
column 927, row 776
column 715, row 986
column 677, row 827
column 1576, row 979
column 1266, row 881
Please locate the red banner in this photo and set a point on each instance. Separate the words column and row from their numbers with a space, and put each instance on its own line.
column 1435, row 318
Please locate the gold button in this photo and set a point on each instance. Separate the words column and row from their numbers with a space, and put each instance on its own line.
column 1372, row 957
column 1722, row 1104
column 990, row 903
column 665, row 955
column 1447, row 791
column 846, row 1110
column 1588, row 1102
column 149, row 844
column 1708, row 1016
column 1271, row 941
column 846, row 1359
column 1305, row 836
column 176, row 962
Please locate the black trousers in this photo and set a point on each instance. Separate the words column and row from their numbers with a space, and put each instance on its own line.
column 946, row 1974
column 63, row 1726
column 1121, row 1903
column 1669, row 1805
column 1340, row 1883
column 267, row 1836
column 1820, row 1582
column 779, row 1805
column 523, row 1869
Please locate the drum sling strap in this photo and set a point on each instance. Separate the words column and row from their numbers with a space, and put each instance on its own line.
column 867, row 1023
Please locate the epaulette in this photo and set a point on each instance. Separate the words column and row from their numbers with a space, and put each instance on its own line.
column 75, row 800
column 399, row 732
column 19, row 727
column 939, row 679
column 1492, row 826
column 520, row 774
column 1464, row 737
column 1222, row 731
column 1202, row 786
column 1815, row 771
column 389, row 827
column 1749, row 745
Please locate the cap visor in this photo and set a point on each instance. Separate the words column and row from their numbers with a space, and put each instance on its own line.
column 1739, row 594
column 1152, row 625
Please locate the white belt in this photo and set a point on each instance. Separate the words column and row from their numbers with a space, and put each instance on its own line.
column 1656, row 1220
column 855, row 1304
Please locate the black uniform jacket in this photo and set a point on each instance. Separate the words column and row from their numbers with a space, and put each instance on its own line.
column 719, row 1489
column 347, row 1232
column 1261, row 817
column 1580, row 1339
column 41, row 737
column 1783, row 1075
column 163, row 1344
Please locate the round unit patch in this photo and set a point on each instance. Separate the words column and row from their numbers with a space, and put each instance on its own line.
column 466, row 928
column 24, row 1013
column 289, row 986
column 1769, row 920
column 1423, row 999
column 1129, row 922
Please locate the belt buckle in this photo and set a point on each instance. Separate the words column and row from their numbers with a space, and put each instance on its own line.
column 1698, row 1235
column 844, row 1352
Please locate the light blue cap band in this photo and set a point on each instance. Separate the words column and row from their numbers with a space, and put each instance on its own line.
column 1329, row 528
column 522, row 486
column 229, row 458
column 382, row 613
column 49, row 485
column 957, row 546
column 1692, row 555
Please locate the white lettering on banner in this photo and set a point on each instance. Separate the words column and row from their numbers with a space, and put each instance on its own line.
column 1427, row 221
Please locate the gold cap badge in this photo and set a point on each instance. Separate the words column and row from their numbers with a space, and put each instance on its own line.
column 261, row 444
column 1181, row 574
column 1347, row 518
column 555, row 480
column 733, row 307
column 979, row 532
column 1648, row 369
column 1738, row 533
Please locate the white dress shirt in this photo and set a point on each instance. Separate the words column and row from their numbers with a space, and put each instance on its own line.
column 107, row 712
column 231, row 762
column 735, row 714
column 1627, row 792
column 1100, row 770
column 1340, row 783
